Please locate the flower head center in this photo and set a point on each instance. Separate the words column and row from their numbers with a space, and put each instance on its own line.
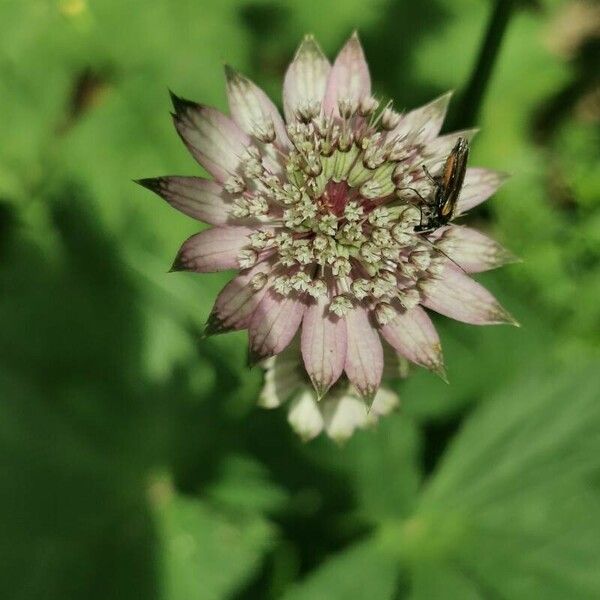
column 335, row 197
column 341, row 220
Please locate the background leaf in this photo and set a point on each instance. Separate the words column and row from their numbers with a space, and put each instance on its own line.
column 519, row 486
column 206, row 554
column 359, row 572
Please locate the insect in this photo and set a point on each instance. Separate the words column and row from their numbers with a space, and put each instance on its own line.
column 447, row 188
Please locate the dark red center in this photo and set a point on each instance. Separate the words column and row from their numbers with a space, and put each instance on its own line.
column 335, row 197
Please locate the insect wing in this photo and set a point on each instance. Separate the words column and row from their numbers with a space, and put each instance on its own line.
column 453, row 177
column 450, row 167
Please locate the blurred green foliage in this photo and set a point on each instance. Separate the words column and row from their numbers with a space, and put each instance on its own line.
column 134, row 462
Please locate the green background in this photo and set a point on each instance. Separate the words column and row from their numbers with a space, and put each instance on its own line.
column 133, row 460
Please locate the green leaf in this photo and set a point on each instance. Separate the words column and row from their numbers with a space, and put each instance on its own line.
column 244, row 486
column 442, row 581
column 362, row 571
column 206, row 554
column 514, row 507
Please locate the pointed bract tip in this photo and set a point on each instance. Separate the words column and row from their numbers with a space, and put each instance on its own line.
column 354, row 42
column 470, row 133
column 368, row 395
column 320, row 390
column 213, row 326
column 174, row 98
column 436, row 362
column 309, row 46
column 506, row 257
column 153, row 184
column 502, row 177
column 180, row 104
column 178, row 265
column 230, row 72
column 504, row 317
column 443, row 100
column 440, row 370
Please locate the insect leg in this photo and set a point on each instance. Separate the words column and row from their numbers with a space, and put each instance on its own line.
column 420, row 226
column 413, row 190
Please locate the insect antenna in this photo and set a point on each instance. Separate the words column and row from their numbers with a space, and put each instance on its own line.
column 430, row 176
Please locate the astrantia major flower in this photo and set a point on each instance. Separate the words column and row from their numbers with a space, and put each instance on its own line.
column 321, row 213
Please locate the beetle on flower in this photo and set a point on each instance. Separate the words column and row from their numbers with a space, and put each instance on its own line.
column 321, row 215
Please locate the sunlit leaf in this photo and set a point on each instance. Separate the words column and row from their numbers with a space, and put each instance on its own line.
column 513, row 508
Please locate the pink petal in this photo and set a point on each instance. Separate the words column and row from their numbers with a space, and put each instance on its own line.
column 457, row 296
column 413, row 335
column 473, row 251
column 306, row 78
column 479, row 185
column 274, row 323
column 423, row 123
column 323, row 344
column 214, row 140
column 214, row 249
column 249, row 105
column 364, row 356
column 349, row 78
column 198, row 198
column 236, row 302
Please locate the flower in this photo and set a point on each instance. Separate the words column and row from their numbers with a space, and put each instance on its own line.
column 341, row 412
column 320, row 214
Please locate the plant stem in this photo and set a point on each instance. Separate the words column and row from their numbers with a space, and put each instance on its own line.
column 472, row 97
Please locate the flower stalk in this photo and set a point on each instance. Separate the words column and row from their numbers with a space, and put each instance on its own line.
column 474, row 94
